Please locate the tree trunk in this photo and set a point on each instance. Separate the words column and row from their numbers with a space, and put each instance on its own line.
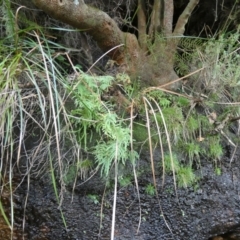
column 124, row 47
column 97, row 23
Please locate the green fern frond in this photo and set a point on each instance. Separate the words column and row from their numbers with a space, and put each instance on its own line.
column 8, row 18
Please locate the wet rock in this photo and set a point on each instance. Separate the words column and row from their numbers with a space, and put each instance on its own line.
column 211, row 211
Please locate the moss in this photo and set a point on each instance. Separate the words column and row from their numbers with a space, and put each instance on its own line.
column 74, row 170
column 70, row 175
column 140, row 133
column 215, row 148
column 150, row 189
column 185, row 176
column 125, row 181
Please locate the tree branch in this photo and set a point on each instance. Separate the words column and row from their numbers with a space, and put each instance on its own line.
column 97, row 23
column 142, row 25
column 155, row 18
column 183, row 19
column 168, row 17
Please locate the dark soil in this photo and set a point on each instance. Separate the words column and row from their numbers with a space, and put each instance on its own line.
column 200, row 212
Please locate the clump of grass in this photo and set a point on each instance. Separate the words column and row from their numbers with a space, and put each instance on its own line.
column 150, row 189
column 193, row 150
column 94, row 198
column 218, row 171
column 32, row 107
column 171, row 163
column 215, row 148
column 185, row 176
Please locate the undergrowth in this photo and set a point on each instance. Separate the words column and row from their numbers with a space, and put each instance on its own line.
column 96, row 125
column 105, row 121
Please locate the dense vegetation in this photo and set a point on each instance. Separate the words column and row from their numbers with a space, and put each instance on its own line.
column 91, row 121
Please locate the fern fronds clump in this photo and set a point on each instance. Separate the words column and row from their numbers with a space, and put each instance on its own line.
column 94, row 118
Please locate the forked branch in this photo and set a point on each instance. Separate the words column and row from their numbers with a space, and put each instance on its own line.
column 183, row 19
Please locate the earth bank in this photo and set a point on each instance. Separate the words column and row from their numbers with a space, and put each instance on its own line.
column 208, row 209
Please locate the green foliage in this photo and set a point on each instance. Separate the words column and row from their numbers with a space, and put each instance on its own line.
column 185, row 173
column 185, row 176
column 33, row 89
column 215, row 148
column 201, row 135
column 70, row 175
column 75, row 169
column 192, row 124
column 91, row 114
column 193, row 150
column 107, row 152
column 224, row 68
column 184, row 57
column 191, row 128
column 174, row 118
column 196, row 136
column 12, row 116
column 150, row 189
column 191, row 43
column 94, row 198
column 97, row 134
column 171, row 164
column 88, row 106
column 140, row 132
column 31, row 102
column 183, row 102
column 218, row 171
column 8, row 19
column 125, row 181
